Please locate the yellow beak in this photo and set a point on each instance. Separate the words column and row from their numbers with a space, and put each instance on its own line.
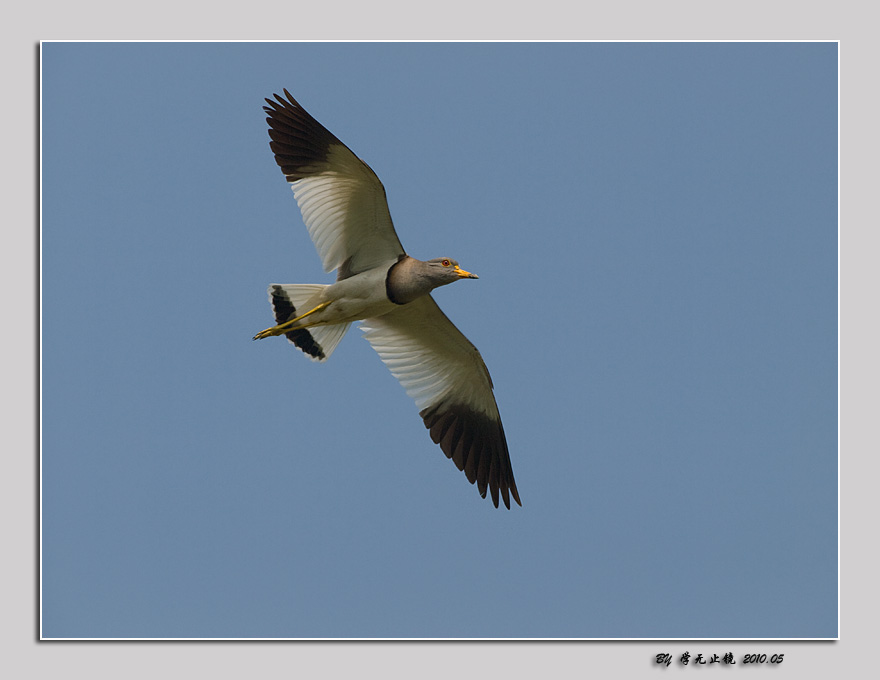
column 463, row 274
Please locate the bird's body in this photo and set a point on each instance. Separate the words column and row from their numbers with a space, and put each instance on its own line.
column 344, row 208
column 355, row 298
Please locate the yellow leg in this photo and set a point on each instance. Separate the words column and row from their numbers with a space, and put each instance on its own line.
column 283, row 328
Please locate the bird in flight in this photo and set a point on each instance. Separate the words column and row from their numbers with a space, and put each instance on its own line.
column 344, row 208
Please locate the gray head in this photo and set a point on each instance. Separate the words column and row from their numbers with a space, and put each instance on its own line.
column 410, row 278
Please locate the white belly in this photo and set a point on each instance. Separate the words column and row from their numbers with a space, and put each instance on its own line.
column 358, row 297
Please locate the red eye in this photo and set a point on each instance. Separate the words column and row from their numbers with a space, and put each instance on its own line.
column 445, row 263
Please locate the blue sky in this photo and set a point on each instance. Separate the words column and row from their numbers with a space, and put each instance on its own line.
column 655, row 231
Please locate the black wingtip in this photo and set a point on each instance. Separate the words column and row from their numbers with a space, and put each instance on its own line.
column 297, row 140
column 478, row 447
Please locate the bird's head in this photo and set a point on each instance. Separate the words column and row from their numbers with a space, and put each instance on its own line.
column 409, row 278
column 446, row 270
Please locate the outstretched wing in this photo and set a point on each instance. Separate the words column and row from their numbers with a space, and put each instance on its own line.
column 342, row 201
column 445, row 375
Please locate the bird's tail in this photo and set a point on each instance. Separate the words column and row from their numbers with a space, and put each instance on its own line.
column 291, row 299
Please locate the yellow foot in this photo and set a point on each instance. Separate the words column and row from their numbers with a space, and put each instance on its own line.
column 268, row 333
column 287, row 326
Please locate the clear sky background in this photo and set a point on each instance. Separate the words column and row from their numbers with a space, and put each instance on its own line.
column 655, row 231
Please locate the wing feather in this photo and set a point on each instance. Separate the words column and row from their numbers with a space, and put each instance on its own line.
column 342, row 201
column 445, row 375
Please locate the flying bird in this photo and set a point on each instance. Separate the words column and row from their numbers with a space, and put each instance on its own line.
column 344, row 208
